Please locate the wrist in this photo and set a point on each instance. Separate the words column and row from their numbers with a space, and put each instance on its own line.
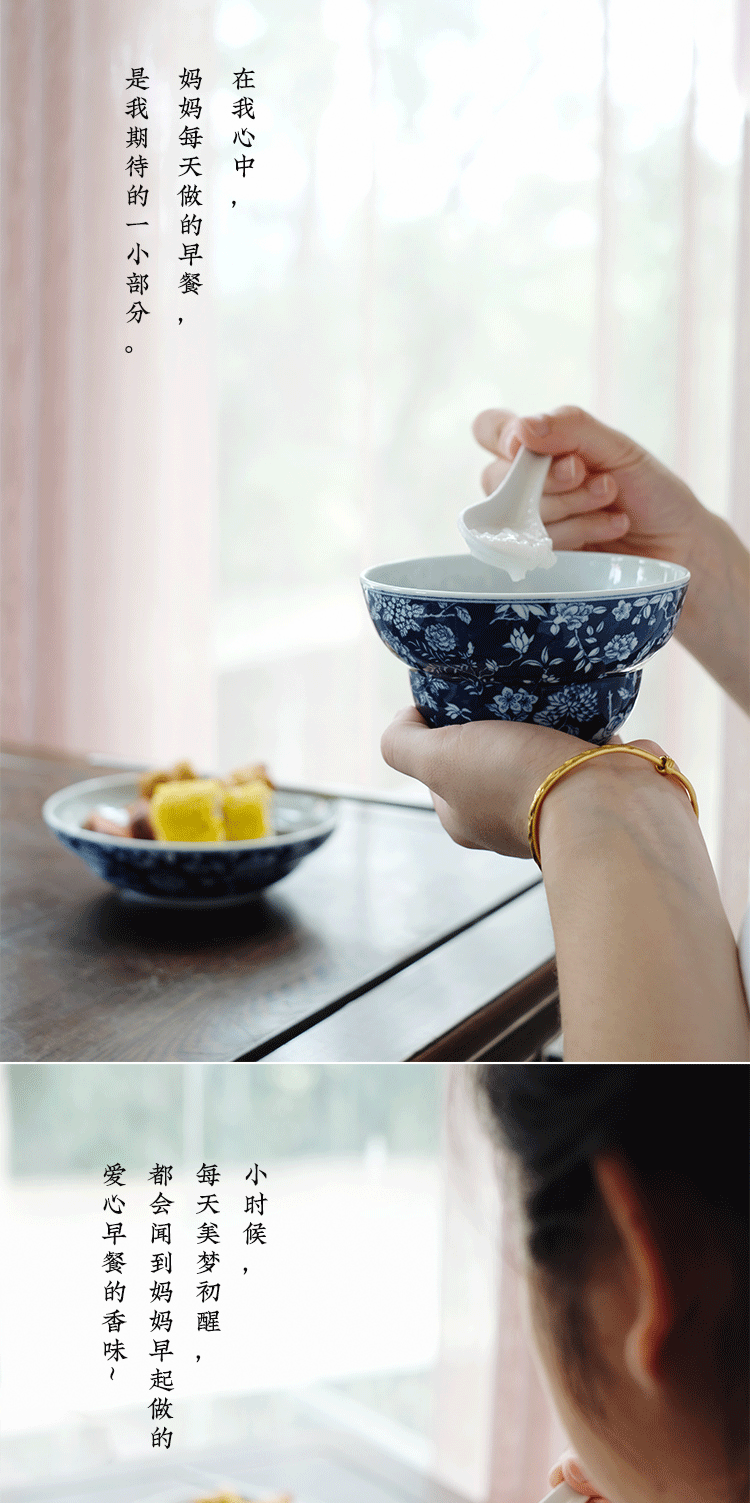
column 714, row 624
column 603, row 800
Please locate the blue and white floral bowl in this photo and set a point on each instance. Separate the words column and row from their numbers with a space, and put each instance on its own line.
column 563, row 647
column 181, row 873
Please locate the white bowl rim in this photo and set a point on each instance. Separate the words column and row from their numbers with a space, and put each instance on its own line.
column 118, row 782
column 602, row 592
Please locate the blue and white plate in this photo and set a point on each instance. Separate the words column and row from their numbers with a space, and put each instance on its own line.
column 188, row 874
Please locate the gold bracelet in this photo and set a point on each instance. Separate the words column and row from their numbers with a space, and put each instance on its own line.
column 663, row 765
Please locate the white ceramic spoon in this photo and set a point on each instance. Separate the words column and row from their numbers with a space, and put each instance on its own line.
column 506, row 530
column 563, row 1494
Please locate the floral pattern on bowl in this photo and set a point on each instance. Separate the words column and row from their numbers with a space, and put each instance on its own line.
column 181, row 874
column 593, row 711
column 572, row 663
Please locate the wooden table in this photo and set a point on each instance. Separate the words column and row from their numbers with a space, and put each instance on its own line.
column 388, row 943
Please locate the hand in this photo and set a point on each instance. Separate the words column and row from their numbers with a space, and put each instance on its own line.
column 603, row 492
column 482, row 774
column 568, row 1469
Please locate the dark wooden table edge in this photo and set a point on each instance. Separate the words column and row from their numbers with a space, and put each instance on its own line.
column 531, row 1006
column 371, row 983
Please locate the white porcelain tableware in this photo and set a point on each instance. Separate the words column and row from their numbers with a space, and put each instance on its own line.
column 506, row 530
column 564, row 1493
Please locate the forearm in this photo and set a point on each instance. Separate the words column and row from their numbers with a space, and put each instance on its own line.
column 647, row 963
column 715, row 620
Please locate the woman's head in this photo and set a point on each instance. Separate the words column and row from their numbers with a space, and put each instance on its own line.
column 633, row 1182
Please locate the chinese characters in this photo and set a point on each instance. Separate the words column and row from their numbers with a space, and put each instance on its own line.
column 208, row 1290
column 162, row 1383
column 136, row 142
column 190, row 171
column 255, row 1231
column 190, row 175
column 113, row 1265
column 243, row 107
column 226, row 1222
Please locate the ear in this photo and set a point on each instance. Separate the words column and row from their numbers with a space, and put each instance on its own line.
column 655, row 1314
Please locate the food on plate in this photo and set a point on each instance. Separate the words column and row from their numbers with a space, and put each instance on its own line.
column 247, row 810
column 180, row 773
column 188, row 811
column 108, row 819
column 178, row 805
column 134, row 821
column 255, row 772
column 237, row 1498
column 141, row 824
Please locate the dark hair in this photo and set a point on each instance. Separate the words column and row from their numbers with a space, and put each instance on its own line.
column 685, row 1125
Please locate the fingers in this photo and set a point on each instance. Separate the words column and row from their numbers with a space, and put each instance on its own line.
column 500, row 431
column 565, row 475
column 494, row 430
column 556, row 1473
column 568, row 431
column 591, row 530
column 396, row 740
column 568, row 1469
column 585, row 518
column 570, row 490
column 493, row 474
column 563, row 502
column 409, row 745
column 412, row 747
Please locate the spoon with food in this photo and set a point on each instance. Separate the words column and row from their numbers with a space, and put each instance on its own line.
column 506, row 530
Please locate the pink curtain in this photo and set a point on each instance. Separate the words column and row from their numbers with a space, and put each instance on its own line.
column 735, row 810
column 527, row 1436
column 495, row 1432
column 108, row 460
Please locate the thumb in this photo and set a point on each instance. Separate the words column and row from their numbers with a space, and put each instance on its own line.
column 570, row 430
column 407, row 743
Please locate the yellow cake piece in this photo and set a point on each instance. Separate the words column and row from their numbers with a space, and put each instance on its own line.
column 188, row 810
column 247, row 810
